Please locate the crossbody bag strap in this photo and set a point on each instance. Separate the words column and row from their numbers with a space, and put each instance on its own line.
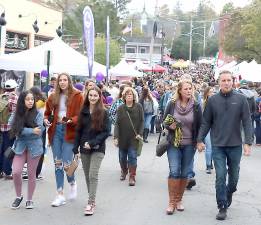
column 131, row 123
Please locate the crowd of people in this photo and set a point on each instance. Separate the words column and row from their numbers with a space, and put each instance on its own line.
column 76, row 119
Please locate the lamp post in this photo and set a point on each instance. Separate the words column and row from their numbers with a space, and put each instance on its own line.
column 190, row 38
column 2, row 30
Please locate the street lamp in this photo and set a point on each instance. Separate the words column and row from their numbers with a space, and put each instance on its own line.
column 35, row 24
column 2, row 31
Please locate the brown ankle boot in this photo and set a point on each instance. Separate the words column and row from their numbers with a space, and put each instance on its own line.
column 132, row 174
column 182, row 186
column 124, row 171
column 172, row 187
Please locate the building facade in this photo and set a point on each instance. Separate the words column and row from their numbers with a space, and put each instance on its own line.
column 29, row 23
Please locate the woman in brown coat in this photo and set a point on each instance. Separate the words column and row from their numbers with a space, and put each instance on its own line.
column 61, row 116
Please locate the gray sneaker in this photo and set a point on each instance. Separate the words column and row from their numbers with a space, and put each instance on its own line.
column 29, row 204
column 17, row 202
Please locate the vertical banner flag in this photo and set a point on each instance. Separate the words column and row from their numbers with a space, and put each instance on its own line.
column 88, row 36
column 107, row 48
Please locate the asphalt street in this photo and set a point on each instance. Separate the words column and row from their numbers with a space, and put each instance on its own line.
column 144, row 204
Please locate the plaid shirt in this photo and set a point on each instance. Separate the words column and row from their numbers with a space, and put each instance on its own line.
column 12, row 101
column 113, row 110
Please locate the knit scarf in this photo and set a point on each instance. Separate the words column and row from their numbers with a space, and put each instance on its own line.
column 187, row 109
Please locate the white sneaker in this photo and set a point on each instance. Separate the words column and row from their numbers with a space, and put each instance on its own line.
column 73, row 191
column 58, row 201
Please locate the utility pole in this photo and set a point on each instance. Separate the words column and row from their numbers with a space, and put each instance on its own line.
column 204, row 42
column 190, row 40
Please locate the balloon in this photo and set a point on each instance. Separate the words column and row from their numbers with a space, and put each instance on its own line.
column 109, row 100
column 44, row 73
column 99, row 76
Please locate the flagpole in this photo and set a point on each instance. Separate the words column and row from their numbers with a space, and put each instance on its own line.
column 107, row 49
column 131, row 27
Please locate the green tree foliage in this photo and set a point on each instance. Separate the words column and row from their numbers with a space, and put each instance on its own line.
column 100, row 49
column 180, row 45
column 243, row 32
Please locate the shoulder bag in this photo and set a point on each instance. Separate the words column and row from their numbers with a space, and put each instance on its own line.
column 140, row 141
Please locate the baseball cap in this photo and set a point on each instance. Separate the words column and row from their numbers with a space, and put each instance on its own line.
column 10, row 84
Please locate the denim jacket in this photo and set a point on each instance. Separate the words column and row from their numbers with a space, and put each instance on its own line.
column 30, row 141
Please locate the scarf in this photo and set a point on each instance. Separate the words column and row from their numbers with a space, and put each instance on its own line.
column 187, row 109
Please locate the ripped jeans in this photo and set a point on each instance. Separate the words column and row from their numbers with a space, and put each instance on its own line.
column 62, row 156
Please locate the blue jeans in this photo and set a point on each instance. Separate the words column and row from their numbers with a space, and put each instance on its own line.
column 147, row 120
column 191, row 172
column 62, row 155
column 208, row 153
column 128, row 155
column 5, row 164
column 180, row 160
column 226, row 161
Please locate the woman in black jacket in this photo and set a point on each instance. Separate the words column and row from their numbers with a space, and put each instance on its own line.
column 93, row 129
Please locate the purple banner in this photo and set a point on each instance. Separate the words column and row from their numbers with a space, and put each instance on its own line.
column 108, row 48
column 88, row 36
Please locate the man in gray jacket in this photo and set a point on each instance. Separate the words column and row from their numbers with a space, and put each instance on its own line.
column 223, row 115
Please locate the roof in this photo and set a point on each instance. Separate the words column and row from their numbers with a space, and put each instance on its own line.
column 142, row 40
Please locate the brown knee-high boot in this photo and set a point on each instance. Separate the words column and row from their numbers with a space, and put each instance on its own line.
column 132, row 174
column 124, row 171
column 173, row 185
column 182, row 186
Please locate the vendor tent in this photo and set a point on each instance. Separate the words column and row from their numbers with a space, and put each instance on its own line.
column 63, row 59
column 124, row 71
column 156, row 68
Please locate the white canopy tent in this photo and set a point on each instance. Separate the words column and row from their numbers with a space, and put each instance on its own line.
column 124, row 71
column 63, row 59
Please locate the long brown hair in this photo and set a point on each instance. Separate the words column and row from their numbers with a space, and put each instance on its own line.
column 98, row 113
column 205, row 96
column 57, row 90
column 145, row 93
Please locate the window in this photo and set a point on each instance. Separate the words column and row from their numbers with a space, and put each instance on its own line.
column 130, row 50
column 143, row 50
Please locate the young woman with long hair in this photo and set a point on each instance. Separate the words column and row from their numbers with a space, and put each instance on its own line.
column 93, row 129
column 147, row 104
column 187, row 112
column 209, row 91
column 124, row 135
column 27, row 126
column 61, row 117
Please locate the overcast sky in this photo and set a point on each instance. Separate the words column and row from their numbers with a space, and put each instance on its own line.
column 187, row 5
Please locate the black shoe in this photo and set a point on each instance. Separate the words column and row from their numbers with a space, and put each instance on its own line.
column 17, row 202
column 222, row 214
column 145, row 141
column 191, row 183
column 229, row 198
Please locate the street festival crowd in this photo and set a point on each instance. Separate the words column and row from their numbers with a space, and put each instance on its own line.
column 188, row 108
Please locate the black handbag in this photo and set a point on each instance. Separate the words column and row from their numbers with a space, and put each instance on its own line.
column 9, row 153
column 163, row 143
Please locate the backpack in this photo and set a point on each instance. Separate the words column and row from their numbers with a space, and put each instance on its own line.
column 4, row 109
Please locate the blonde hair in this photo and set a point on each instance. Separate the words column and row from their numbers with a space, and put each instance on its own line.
column 177, row 95
column 57, row 92
column 128, row 90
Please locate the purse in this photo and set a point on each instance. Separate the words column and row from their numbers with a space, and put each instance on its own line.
column 163, row 144
column 9, row 153
column 73, row 166
column 140, row 141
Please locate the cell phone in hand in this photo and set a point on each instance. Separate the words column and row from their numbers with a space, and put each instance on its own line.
column 65, row 119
